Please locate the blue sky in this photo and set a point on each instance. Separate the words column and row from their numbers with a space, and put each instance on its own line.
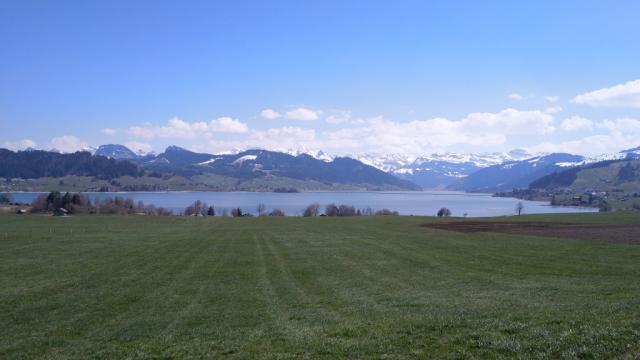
column 343, row 76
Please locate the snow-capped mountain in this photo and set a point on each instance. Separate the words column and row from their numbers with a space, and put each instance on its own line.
column 316, row 154
column 438, row 170
column 115, row 151
column 89, row 149
column 622, row 155
column 402, row 163
column 514, row 174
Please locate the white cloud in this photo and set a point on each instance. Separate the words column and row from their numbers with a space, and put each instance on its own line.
column 423, row 136
column 19, row 145
column 517, row 97
column 590, row 145
column 620, row 134
column 553, row 110
column 145, row 131
column 623, row 95
column 482, row 131
column 551, row 99
column 68, row 144
column 279, row 139
column 109, row 131
column 627, row 126
column 139, row 147
column 303, row 114
column 270, row 114
column 576, row 123
column 227, row 125
column 180, row 129
column 339, row 117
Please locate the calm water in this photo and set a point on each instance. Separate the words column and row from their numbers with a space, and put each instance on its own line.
column 405, row 202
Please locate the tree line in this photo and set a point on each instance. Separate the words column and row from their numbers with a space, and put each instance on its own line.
column 78, row 203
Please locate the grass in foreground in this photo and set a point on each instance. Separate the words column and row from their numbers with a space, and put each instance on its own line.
column 138, row 287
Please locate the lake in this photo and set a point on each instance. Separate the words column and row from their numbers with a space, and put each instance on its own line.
column 405, row 202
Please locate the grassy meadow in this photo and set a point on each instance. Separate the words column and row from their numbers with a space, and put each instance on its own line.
column 289, row 288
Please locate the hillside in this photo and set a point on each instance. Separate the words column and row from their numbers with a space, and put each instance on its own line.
column 612, row 184
column 39, row 164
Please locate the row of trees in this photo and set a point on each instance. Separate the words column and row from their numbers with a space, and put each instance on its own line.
column 199, row 208
column 343, row 210
column 81, row 204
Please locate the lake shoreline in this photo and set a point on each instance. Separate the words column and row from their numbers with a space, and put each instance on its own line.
column 417, row 203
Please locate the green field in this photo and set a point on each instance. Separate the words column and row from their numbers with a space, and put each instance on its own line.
column 367, row 287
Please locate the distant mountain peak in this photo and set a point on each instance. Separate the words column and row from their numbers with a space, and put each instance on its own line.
column 175, row 148
column 115, row 151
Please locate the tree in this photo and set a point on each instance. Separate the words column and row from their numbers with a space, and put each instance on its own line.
column 444, row 212
column 331, row 210
column 261, row 209
column 311, row 210
column 237, row 212
column 519, row 208
column 211, row 211
column 198, row 208
column 345, row 210
column 5, row 198
column 276, row 212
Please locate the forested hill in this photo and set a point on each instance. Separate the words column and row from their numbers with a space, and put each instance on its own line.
column 38, row 164
column 612, row 175
column 181, row 169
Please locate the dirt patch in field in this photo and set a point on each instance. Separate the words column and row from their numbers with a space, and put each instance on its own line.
column 622, row 234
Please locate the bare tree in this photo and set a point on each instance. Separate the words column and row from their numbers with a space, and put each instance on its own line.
column 261, row 209
column 276, row 212
column 237, row 212
column 331, row 210
column 519, row 208
column 198, row 208
column 346, row 210
column 311, row 210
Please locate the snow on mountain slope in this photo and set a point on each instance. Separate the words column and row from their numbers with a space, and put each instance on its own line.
column 401, row 163
column 115, row 151
column 438, row 170
column 624, row 154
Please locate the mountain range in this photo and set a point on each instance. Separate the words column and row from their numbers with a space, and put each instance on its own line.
column 303, row 169
column 180, row 169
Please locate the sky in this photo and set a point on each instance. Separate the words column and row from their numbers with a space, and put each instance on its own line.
column 346, row 77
